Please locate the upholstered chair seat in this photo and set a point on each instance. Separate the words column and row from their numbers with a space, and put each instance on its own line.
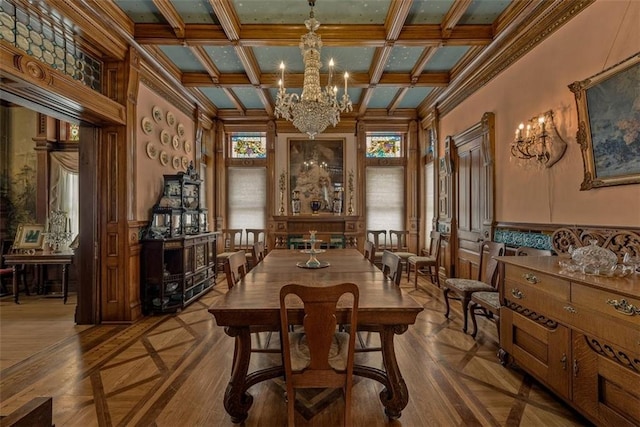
column 462, row 288
column 301, row 356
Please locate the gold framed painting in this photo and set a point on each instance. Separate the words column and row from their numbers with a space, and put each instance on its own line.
column 29, row 236
column 609, row 125
column 316, row 174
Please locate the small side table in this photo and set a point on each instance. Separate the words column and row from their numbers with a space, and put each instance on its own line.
column 41, row 258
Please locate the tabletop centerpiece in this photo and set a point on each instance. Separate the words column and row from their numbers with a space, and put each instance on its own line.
column 313, row 261
column 58, row 231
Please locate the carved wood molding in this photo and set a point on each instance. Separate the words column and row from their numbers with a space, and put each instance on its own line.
column 618, row 241
column 536, row 317
column 617, row 355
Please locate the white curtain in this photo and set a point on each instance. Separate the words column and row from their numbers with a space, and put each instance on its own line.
column 63, row 190
column 385, row 198
column 247, row 198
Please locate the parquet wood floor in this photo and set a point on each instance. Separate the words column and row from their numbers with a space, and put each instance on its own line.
column 172, row 370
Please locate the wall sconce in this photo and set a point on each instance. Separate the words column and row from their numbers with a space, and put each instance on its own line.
column 539, row 141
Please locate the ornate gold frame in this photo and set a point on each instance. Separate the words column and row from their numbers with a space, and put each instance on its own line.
column 587, row 127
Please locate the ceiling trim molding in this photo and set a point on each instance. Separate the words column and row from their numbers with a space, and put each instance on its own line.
column 547, row 18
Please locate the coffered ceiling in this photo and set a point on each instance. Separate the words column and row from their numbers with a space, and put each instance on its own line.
column 403, row 56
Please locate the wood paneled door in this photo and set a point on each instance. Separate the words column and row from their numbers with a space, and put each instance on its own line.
column 473, row 175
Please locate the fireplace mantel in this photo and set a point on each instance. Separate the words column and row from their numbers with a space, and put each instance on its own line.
column 284, row 226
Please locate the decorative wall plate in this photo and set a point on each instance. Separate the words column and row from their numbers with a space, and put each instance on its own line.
column 147, row 125
column 185, row 162
column 152, row 151
column 171, row 120
column 180, row 130
column 187, row 147
column 165, row 138
column 175, row 142
column 176, row 162
column 157, row 114
column 164, row 158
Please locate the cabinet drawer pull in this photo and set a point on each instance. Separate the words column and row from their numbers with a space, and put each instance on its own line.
column 570, row 309
column 624, row 307
column 531, row 278
column 575, row 367
column 516, row 293
column 564, row 361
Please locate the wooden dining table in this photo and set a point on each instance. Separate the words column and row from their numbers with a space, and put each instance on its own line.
column 255, row 302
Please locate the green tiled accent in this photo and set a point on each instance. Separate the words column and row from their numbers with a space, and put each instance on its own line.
column 519, row 238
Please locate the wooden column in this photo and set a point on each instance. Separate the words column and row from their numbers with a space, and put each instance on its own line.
column 119, row 248
column 412, row 219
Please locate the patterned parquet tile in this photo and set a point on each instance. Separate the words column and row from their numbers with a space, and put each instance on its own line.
column 172, row 370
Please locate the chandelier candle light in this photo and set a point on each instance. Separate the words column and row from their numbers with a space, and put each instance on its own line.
column 316, row 108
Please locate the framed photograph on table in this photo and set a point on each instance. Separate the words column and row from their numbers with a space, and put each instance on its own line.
column 29, row 236
column 609, row 125
column 316, row 173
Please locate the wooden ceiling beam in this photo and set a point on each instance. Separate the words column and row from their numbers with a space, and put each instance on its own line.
column 194, row 34
column 226, row 14
column 202, row 56
column 360, row 80
column 397, row 99
column 430, row 35
column 454, row 15
column 396, row 17
column 365, row 97
column 206, row 103
column 250, row 63
column 380, row 58
column 265, row 98
column 234, row 99
column 427, row 54
column 332, row 35
column 172, row 16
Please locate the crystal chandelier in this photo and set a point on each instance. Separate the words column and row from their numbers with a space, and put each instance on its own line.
column 316, row 108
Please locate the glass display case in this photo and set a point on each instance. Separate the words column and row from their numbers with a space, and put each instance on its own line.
column 178, row 212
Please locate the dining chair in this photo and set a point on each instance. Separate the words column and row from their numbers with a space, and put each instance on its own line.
column 429, row 262
column 6, row 272
column 369, row 251
column 231, row 242
column 257, row 252
column 236, row 268
column 487, row 303
column 379, row 239
column 391, row 265
column 399, row 243
column 251, row 236
column 391, row 269
column 487, row 279
column 319, row 356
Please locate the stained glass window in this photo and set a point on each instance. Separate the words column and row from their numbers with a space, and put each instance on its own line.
column 253, row 146
column 384, row 145
column 74, row 133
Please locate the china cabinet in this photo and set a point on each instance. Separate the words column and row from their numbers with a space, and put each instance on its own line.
column 176, row 271
column 178, row 255
column 577, row 333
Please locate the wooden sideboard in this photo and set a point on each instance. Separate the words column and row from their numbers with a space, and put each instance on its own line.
column 577, row 334
column 283, row 227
